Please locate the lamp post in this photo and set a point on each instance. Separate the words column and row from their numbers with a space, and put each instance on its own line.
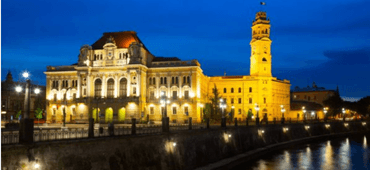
column 257, row 118
column 26, row 124
column 312, row 115
column 344, row 114
column 282, row 114
column 201, row 112
column 325, row 111
column 223, row 106
column 165, row 120
column 304, row 113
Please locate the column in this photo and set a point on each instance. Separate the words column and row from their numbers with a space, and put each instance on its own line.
column 138, row 83
column 104, row 88
column 78, row 86
column 115, row 86
column 128, row 84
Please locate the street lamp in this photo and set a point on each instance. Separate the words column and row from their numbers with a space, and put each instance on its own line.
column 304, row 112
column 26, row 124
column 165, row 120
column 344, row 114
column 201, row 112
column 257, row 118
column 312, row 114
column 282, row 113
column 325, row 111
column 223, row 106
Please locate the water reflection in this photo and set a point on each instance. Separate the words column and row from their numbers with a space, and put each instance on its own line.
column 334, row 154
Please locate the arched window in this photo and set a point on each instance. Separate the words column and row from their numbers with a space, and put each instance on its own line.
column 189, row 80
column 184, row 80
column 264, row 100
column 153, row 80
column 264, row 59
column 150, row 81
column 177, row 80
column 173, row 80
column 250, row 89
column 98, row 85
column 250, row 101
column 110, row 88
column 267, row 31
column 165, row 80
column 240, row 90
column 123, row 87
column 161, row 80
column 225, row 90
column 232, row 90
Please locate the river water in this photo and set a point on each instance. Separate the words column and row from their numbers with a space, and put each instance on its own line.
column 339, row 154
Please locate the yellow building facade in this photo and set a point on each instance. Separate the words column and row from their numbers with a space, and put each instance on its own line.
column 117, row 79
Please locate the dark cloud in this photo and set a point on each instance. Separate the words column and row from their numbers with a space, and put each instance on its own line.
column 349, row 57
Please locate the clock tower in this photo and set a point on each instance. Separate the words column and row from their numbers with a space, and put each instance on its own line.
column 261, row 46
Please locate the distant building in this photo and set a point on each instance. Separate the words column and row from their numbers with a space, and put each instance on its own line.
column 312, row 94
column 12, row 102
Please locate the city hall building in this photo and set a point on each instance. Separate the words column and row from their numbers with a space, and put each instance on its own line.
column 117, row 78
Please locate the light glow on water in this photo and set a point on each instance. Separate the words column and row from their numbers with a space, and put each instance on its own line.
column 342, row 153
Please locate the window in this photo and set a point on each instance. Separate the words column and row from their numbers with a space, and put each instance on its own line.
column 186, row 94
column 174, row 110
column 134, row 90
column 264, row 100
column 177, row 80
column 55, row 97
column 152, row 110
column 250, row 101
column 151, row 96
column 264, row 59
column 186, row 110
column 188, row 80
column 65, row 96
column 123, row 87
column 232, row 100
column 66, row 83
column 240, row 100
column 165, row 80
column 225, row 90
column 240, row 90
column 309, row 98
column 110, row 88
column 174, row 95
column 84, row 91
column 74, row 96
column 305, row 97
column 239, row 111
column 150, row 81
column 250, row 89
column 153, row 80
column 232, row 90
column 161, row 80
column 225, row 100
column 98, row 85
column 173, row 80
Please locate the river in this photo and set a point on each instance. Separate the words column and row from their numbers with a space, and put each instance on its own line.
column 340, row 154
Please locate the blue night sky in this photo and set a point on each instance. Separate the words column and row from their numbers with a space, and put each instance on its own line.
column 322, row 41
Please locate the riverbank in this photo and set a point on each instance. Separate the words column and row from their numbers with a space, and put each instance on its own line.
column 182, row 150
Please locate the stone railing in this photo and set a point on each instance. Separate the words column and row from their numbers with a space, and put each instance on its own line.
column 12, row 136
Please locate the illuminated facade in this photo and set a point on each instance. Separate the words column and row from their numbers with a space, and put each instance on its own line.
column 118, row 76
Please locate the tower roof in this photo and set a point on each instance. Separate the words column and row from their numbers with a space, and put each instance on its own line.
column 261, row 18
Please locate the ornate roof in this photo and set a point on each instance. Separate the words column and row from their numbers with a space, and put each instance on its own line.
column 123, row 39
